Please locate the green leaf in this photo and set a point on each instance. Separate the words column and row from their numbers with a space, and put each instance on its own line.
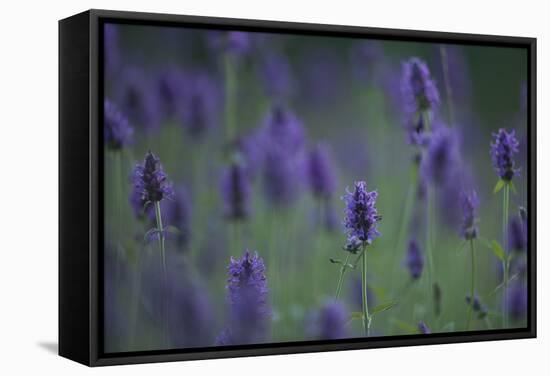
column 497, row 250
column 356, row 315
column 383, row 307
column 404, row 326
column 500, row 184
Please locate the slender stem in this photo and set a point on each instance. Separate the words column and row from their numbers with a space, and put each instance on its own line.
column 473, row 281
column 366, row 316
column 505, row 263
column 343, row 269
column 160, row 230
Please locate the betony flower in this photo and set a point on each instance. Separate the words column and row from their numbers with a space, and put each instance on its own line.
column 330, row 321
column 274, row 71
column 150, row 181
column 232, row 42
column 177, row 213
column 135, row 95
column 202, row 105
column 442, row 155
column 361, row 216
column 414, row 260
column 235, row 192
column 322, row 177
column 517, row 301
column 478, row 306
column 171, row 85
column 517, row 233
column 503, row 148
column 423, row 328
column 247, row 290
column 470, row 204
column 283, row 130
column 418, row 88
column 117, row 132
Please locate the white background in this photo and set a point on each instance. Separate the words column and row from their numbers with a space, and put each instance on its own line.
column 28, row 188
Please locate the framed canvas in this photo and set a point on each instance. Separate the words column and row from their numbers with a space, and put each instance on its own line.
column 239, row 187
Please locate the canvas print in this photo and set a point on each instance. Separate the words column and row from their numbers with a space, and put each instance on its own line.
column 263, row 188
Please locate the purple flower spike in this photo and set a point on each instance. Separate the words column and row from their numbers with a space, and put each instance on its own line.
column 117, row 131
column 171, row 87
column 202, row 105
column 232, row 42
column 442, row 155
column 414, row 260
column 517, row 301
column 284, row 131
column 249, row 310
column 517, row 233
column 150, row 181
column 177, row 212
column 503, row 148
column 330, row 321
column 322, row 177
column 362, row 217
column 423, row 328
column 274, row 70
column 417, row 86
column 235, row 191
column 136, row 97
column 470, row 204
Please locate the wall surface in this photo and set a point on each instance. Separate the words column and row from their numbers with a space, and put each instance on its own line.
column 28, row 151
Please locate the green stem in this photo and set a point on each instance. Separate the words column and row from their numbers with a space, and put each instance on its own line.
column 343, row 269
column 473, row 281
column 366, row 316
column 505, row 263
column 160, row 230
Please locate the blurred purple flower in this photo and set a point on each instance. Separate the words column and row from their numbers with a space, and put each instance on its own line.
column 202, row 104
column 366, row 58
column 442, row 155
column 517, row 233
column 470, row 204
column 235, row 192
column 478, row 306
column 232, row 42
column 171, row 87
column 117, row 131
column 423, row 328
column 134, row 94
column 177, row 213
column 274, row 71
column 330, row 321
column 189, row 312
column 414, row 260
column 249, row 311
column 419, row 91
column 322, row 176
column 111, row 49
column 458, row 75
column 280, row 177
column 150, row 180
column 361, row 216
column 503, row 148
column 517, row 301
column 283, row 130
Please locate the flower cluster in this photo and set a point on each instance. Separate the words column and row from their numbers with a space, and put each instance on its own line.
column 442, row 155
column 117, row 131
column 248, row 300
column 503, row 148
column 517, row 231
column 330, row 321
column 322, row 177
column 150, row 182
column 470, row 203
column 418, row 88
column 361, row 217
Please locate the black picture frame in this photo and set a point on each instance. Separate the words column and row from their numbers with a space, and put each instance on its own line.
column 80, row 179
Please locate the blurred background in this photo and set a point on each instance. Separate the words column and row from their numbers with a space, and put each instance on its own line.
column 290, row 122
